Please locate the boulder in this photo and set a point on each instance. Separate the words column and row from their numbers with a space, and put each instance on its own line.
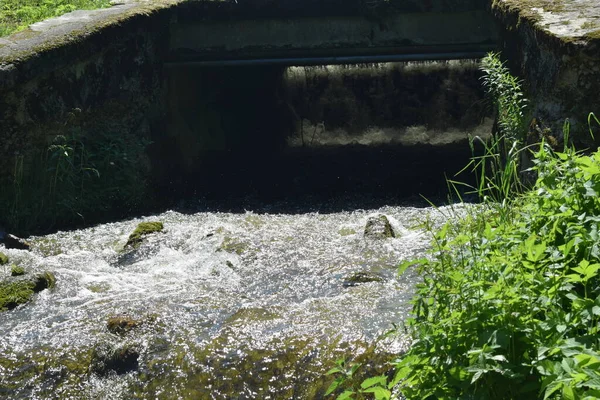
column 143, row 229
column 121, row 324
column 16, row 270
column 120, row 359
column 361, row 277
column 379, row 227
column 20, row 290
column 14, row 242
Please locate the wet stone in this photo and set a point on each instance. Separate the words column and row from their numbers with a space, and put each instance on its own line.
column 120, row 359
column 361, row 277
column 121, row 324
column 14, row 242
column 379, row 227
column 16, row 270
column 143, row 229
column 17, row 290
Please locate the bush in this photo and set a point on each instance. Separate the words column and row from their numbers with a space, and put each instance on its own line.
column 510, row 308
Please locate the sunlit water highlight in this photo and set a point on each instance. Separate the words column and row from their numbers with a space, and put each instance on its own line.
column 234, row 305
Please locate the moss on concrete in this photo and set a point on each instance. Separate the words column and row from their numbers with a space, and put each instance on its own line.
column 23, row 52
column 143, row 229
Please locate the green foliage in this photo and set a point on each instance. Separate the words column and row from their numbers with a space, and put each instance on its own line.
column 348, row 388
column 16, row 15
column 510, row 307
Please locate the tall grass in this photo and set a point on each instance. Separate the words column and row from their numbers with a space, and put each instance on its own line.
column 16, row 15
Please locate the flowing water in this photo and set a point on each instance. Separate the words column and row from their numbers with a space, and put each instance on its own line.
column 229, row 305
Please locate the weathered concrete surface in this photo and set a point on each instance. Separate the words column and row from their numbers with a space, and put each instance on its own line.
column 402, row 33
column 555, row 46
column 86, row 76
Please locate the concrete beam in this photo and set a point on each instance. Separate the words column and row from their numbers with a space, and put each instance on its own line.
column 408, row 33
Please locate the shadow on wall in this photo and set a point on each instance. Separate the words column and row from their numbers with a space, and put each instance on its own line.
column 393, row 129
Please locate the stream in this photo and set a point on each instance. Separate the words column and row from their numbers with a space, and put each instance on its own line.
column 227, row 305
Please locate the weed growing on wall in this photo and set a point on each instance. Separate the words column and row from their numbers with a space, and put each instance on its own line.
column 75, row 178
column 498, row 170
column 16, row 15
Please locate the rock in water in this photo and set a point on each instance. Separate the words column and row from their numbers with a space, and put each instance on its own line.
column 143, row 229
column 379, row 227
column 16, row 291
column 121, row 324
column 119, row 359
column 13, row 242
column 361, row 277
column 16, row 270
column 3, row 258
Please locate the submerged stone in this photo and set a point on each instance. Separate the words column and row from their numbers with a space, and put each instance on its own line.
column 3, row 258
column 121, row 324
column 379, row 227
column 232, row 245
column 361, row 277
column 108, row 358
column 13, row 242
column 143, row 229
column 16, row 270
column 14, row 292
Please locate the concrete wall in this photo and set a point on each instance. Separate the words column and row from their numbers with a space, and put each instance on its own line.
column 558, row 64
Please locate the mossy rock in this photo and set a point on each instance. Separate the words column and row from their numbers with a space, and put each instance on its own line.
column 232, row 245
column 3, row 258
column 121, row 324
column 361, row 277
column 143, row 229
column 15, row 292
column 16, row 270
column 347, row 232
column 107, row 358
column 379, row 227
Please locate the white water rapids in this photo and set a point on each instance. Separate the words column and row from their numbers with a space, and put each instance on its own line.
column 233, row 305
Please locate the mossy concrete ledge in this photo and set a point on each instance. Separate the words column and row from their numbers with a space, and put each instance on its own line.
column 555, row 46
column 86, row 74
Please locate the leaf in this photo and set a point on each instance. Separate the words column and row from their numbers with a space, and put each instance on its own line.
column 379, row 392
column 334, row 385
column 376, row 380
column 347, row 394
column 567, row 393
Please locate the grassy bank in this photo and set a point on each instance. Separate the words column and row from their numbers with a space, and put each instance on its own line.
column 16, row 15
column 510, row 303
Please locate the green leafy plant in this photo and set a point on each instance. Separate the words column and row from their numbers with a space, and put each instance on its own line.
column 498, row 170
column 350, row 389
column 510, row 307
